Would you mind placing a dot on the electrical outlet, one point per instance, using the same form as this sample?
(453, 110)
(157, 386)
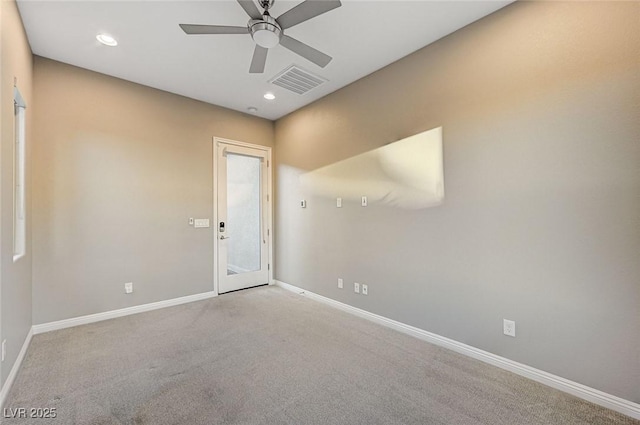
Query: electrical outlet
(4, 349)
(128, 287)
(356, 287)
(509, 327)
(340, 283)
(365, 289)
(364, 201)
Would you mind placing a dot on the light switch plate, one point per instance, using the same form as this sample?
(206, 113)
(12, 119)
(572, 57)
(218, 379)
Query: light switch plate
(303, 203)
(364, 201)
(340, 283)
(128, 287)
(339, 202)
(201, 222)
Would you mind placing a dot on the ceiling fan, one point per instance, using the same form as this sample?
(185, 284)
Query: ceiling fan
(268, 32)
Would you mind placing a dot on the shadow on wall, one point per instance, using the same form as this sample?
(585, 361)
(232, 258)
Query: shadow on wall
(405, 174)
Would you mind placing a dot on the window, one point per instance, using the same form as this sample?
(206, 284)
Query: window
(19, 202)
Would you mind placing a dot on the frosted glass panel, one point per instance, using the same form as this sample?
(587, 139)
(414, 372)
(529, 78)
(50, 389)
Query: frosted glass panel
(243, 214)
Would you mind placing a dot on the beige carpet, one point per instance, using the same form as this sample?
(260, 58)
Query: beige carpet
(267, 356)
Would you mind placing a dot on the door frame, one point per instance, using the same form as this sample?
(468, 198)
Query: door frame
(269, 205)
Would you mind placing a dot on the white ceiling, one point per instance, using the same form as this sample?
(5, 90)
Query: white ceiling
(361, 36)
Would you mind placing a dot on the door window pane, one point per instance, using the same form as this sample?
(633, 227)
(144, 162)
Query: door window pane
(244, 226)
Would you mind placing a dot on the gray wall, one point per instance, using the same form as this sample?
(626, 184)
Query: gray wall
(15, 278)
(541, 220)
(118, 169)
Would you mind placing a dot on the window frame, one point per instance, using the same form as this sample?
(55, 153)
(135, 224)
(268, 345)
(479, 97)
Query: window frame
(19, 176)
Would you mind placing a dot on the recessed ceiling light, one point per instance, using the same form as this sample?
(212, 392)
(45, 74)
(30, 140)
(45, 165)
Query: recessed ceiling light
(269, 96)
(252, 109)
(107, 40)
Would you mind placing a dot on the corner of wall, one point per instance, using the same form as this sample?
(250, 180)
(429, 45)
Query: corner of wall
(15, 277)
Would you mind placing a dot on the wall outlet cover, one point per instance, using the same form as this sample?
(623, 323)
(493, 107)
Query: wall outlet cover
(365, 289)
(128, 287)
(509, 327)
(356, 287)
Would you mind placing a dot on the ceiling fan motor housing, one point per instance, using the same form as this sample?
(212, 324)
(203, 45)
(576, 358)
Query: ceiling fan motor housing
(266, 32)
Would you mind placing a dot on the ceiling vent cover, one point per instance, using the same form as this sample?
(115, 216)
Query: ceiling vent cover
(297, 80)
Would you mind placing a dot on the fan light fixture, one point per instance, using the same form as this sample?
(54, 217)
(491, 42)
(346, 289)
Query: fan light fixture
(266, 32)
(107, 40)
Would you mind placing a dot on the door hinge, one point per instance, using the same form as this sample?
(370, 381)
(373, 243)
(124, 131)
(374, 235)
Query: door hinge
(267, 163)
(268, 266)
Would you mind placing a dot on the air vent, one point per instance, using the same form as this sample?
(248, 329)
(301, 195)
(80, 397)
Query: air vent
(297, 80)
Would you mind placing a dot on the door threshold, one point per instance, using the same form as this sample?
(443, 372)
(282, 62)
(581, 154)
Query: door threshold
(243, 289)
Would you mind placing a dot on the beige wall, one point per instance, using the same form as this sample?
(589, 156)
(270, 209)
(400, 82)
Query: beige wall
(118, 169)
(540, 224)
(541, 220)
(15, 278)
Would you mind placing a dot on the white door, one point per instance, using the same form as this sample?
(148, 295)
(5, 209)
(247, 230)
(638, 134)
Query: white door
(242, 217)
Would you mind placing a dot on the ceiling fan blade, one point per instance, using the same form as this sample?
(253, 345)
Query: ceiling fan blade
(259, 60)
(306, 51)
(306, 10)
(250, 7)
(212, 29)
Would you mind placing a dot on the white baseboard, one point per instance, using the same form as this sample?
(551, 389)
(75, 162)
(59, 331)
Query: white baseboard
(14, 370)
(598, 397)
(91, 318)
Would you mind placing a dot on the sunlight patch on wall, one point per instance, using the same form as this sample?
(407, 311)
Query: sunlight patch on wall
(405, 174)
